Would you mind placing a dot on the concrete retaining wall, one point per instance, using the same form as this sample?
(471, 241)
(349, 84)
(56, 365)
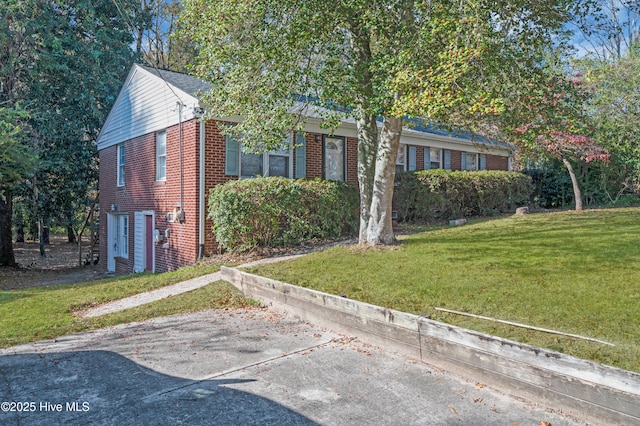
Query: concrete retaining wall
(587, 390)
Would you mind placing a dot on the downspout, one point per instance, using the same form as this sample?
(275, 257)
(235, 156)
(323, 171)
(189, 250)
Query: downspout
(181, 171)
(201, 194)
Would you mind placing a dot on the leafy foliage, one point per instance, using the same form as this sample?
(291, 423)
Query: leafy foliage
(158, 41)
(273, 212)
(15, 161)
(437, 194)
(614, 85)
(446, 61)
(64, 62)
(15, 158)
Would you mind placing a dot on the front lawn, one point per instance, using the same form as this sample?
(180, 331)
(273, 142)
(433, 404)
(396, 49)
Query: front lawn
(38, 313)
(575, 272)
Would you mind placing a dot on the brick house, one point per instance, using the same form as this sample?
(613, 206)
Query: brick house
(158, 162)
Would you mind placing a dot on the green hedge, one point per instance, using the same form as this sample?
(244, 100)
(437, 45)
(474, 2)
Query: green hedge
(276, 212)
(444, 194)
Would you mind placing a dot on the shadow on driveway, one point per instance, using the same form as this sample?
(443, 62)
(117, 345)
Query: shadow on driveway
(102, 387)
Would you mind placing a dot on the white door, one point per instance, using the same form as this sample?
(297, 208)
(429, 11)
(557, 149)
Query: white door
(138, 243)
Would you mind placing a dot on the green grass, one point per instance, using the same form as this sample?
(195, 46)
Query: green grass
(48, 312)
(576, 272)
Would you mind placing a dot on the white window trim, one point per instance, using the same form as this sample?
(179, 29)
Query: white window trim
(120, 172)
(159, 136)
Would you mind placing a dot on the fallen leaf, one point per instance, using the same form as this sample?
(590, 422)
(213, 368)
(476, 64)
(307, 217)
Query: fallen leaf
(453, 410)
(480, 385)
(543, 423)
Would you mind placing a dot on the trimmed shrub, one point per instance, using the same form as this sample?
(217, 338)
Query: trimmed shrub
(278, 212)
(445, 194)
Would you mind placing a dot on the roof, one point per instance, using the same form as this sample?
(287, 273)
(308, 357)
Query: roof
(147, 102)
(185, 82)
(310, 106)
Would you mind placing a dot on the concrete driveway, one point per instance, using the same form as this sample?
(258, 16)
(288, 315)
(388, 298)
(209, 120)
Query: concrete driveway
(228, 367)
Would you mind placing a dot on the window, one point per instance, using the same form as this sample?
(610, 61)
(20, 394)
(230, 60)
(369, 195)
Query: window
(122, 236)
(161, 155)
(469, 161)
(334, 158)
(249, 165)
(120, 178)
(432, 158)
(400, 159)
(278, 163)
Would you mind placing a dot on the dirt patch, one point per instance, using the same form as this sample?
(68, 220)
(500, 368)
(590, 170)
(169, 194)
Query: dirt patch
(60, 266)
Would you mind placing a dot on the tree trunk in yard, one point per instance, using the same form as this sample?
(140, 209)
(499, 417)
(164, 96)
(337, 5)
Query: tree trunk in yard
(577, 194)
(71, 234)
(7, 257)
(367, 147)
(380, 226)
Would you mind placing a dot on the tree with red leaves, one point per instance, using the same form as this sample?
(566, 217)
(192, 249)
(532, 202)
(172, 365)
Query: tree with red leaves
(551, 121)
(566, 145)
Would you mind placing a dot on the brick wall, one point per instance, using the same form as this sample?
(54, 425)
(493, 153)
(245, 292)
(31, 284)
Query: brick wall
(456, 160)
(352, 160)
(420, 158)
(495, 162)
(314, 155)
(214, 175)
(142, 192)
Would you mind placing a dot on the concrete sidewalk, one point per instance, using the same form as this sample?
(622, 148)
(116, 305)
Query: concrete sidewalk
(231, 367)
(171, 290)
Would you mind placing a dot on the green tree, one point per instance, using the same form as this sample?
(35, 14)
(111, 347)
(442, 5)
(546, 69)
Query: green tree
(85, 55)
(446, 61)
(553, 122)
(64, 61)
(15, 162)
(614, 84)
(158, 41)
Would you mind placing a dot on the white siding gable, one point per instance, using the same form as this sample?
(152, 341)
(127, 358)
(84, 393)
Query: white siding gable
(146, 104)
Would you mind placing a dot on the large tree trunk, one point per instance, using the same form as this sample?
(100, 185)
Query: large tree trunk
(577, 194)
(7, 257)
(367, 148)
(380, 226)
